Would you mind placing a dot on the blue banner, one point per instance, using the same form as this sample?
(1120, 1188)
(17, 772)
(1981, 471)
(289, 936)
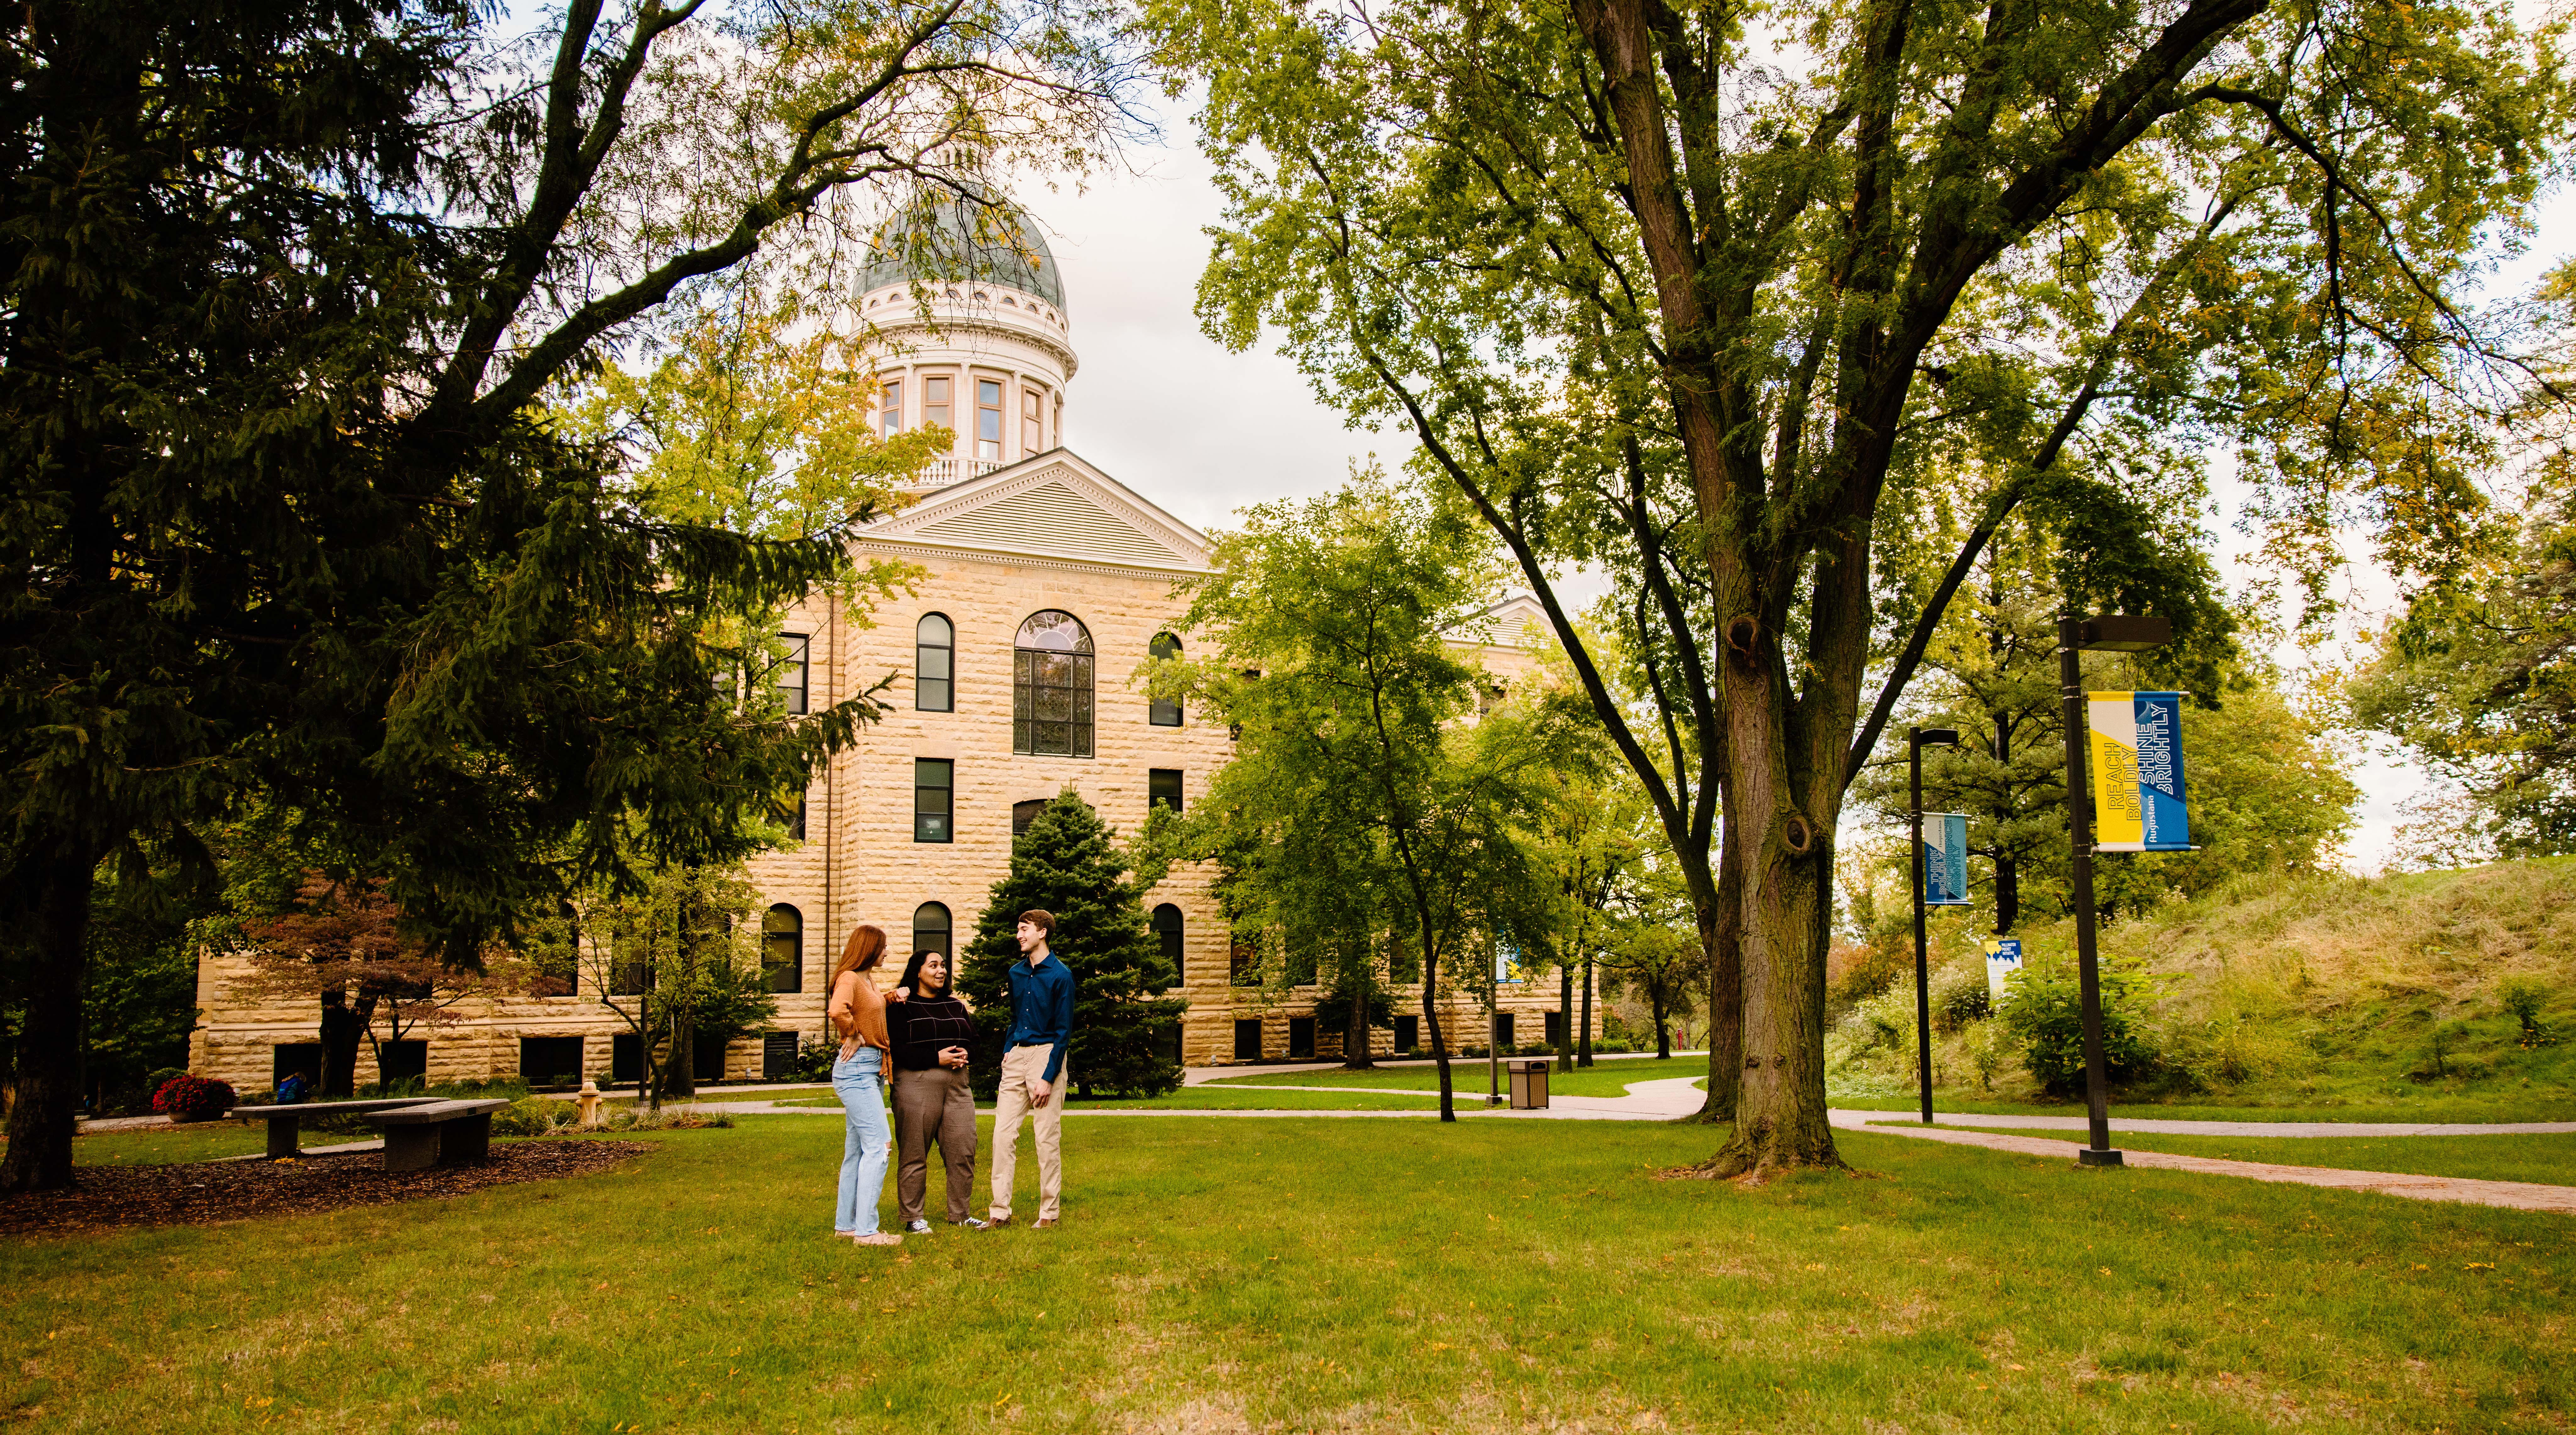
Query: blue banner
(1945, 859)
(2003, 958)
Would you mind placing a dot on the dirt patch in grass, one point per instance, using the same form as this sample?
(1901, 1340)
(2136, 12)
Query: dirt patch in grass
(201, 1193)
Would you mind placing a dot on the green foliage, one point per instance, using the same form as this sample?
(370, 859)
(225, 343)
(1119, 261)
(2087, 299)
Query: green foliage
(1371, 821)
(2043, 1010)
(1068, 863)
(2478, 680)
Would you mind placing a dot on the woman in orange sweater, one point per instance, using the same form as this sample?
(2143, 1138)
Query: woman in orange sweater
(859, 1077)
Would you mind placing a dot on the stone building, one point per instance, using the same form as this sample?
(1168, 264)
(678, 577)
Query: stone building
(1044, 585)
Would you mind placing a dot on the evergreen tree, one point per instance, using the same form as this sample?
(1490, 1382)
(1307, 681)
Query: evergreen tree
(1068, 863)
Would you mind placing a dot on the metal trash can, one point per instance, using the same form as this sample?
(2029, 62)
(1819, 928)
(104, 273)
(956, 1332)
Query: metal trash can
(1529, 1083)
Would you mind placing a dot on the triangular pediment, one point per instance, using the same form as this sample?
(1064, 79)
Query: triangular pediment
(1053, 506)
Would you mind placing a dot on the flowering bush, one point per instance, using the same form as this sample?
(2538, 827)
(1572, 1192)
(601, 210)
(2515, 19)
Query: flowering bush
(193, 1098)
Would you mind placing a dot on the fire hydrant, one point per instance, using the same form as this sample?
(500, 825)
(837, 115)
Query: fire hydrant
(588, 1101)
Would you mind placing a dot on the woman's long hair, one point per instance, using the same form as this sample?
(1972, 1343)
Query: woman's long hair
(912, 975)
(866, 948)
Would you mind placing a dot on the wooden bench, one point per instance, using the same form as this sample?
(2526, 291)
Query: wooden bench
(436, 1133)
(286, 1123)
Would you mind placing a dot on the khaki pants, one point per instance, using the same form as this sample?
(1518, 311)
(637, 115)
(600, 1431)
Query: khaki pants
(1020, 1066)
(934, 1105)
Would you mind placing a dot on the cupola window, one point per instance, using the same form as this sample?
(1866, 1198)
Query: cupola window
(934, 402)
(891, 410)
(988, 418)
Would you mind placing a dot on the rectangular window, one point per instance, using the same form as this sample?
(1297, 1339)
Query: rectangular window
(1032, 426)
(550, 1060)
(934, 403)
(934, 798)
(1556, 1028)
(1301, 1038)
(1162, 789)
(791, 673)
(890, 410)
(1408, 1032)
(402, 1060)
(1503, 1030)
(777, 1055)
(706, 1056)
(625, 1057)
(629, 979)
(988, 418)
(1243, 962)
(1247, 1039)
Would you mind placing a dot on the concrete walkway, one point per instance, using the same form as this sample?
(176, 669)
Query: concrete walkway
(2515, 1195)
(2150, 1126)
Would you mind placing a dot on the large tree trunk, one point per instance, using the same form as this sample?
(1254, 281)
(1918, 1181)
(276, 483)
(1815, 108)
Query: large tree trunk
(1565, 1016)
(1355, 1038)
(342, 1031)
(44, 1091)
(1721, 935)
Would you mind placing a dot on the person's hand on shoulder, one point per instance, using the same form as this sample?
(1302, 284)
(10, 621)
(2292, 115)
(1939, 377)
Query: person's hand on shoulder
(899, 994)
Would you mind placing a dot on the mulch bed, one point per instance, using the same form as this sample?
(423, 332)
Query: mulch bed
(197, 1193)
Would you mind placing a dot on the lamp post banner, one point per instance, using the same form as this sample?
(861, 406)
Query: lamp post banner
(2137, 772)
(1945, 859)
(2003, 958)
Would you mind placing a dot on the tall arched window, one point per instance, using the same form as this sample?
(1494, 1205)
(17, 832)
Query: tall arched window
(930, 928)
(1051, 686)
(1167, 930)
(782, 948)
(1165, 647)
(934, 656)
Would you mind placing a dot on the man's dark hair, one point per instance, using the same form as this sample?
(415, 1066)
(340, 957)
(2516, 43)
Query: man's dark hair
(1044, 919)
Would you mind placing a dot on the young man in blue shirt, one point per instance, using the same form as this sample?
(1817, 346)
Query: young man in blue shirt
(1033, 1069)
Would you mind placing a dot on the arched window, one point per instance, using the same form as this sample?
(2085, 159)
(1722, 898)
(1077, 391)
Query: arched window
(782, 948)
(1164, 648)
(1051, 686)
(930, 928)
(1167, 930)
(934, 654)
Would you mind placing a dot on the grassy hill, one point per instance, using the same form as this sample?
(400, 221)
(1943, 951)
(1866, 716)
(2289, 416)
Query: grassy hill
(2453, 987)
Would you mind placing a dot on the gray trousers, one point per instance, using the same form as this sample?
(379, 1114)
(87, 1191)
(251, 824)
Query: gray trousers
(935, 1105)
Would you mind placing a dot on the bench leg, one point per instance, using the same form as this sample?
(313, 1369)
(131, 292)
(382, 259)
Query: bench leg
(282, 1134)
(411, 1148)
(465, 1140)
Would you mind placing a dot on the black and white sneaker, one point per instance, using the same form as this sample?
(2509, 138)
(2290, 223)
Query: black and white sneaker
(975, 1223)
(918, 1228)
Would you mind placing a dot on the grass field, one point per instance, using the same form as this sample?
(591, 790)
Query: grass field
(2525, 1106)
(155, 1145)
(2550, 1160)
(1303, 1275)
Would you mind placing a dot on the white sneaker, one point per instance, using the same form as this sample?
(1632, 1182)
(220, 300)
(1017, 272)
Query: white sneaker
(918, 1228)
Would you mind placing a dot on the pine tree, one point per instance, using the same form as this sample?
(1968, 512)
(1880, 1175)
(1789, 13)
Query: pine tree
(1068, 863)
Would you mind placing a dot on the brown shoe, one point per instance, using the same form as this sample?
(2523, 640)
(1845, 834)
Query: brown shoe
(997, 1223)
(1042, 1223)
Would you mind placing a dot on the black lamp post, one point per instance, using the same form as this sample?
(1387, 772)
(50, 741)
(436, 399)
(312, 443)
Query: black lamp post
(1915, 738)
(2111, 633)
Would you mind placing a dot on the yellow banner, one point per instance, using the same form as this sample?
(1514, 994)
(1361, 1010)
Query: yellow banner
(2119, 819)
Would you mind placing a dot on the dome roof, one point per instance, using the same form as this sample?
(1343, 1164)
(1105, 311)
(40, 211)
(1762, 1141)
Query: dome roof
(944, 239)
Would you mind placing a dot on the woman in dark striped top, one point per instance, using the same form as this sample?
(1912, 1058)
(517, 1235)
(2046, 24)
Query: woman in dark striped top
(932, 1100)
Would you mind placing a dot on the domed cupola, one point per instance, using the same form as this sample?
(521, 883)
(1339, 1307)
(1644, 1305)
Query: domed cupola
(968, 307)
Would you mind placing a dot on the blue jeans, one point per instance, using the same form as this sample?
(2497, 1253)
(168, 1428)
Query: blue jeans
(859, 1082)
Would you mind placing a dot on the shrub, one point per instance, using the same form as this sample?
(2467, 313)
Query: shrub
(1960, 996)
(2521, 998)
(2044, 1011)
(535, 1117)
(193, 1098)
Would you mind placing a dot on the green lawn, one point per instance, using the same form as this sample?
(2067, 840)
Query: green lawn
(157, 1145)
(1609, 1078)
(2550, 1160)
(1303, 1275)
(1203, 1098)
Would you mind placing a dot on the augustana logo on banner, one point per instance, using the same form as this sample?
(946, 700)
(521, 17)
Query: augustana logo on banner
(2136, 753)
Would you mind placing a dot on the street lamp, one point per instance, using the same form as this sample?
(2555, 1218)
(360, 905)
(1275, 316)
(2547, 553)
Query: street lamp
(1915, 738)
(2110, 633)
